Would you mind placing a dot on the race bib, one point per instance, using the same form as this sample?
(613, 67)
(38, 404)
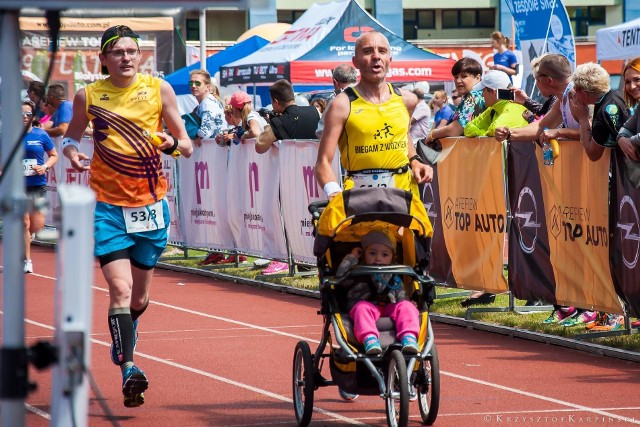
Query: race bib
(27, 167)
(373, 180)
(144, 218)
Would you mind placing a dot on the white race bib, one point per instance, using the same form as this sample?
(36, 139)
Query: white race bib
(144, 218)
(27, 167)
(373, 180)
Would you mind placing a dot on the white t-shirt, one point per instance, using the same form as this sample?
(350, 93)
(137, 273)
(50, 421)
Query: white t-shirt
(422, 116)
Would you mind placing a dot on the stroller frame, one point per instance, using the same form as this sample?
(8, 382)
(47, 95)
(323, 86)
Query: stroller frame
(398, 376)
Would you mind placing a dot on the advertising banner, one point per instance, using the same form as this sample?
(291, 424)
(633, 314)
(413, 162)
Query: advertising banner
(560, 227)
(473, 211)
(542, 27)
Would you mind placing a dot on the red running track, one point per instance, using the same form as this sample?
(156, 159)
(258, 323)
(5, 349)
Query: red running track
(220, 354)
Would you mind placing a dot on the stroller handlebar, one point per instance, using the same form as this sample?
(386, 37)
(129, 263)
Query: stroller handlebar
(316, 208)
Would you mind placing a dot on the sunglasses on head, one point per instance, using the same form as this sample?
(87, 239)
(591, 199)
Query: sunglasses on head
(194, 82)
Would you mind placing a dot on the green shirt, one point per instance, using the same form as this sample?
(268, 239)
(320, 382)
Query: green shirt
(502, 113)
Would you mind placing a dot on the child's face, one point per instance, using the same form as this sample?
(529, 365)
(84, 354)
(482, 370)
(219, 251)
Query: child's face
(378, 254)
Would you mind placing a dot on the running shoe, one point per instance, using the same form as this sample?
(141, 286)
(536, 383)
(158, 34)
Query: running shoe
(28, 266)
(232, 259)
(348, 397)
(613, 323)
(212, 258)
(134, 383)
(583, 318)
(409, 344)
(261, 262)
(114, 356)
(276, 267)
(372, 345)
(560, 314)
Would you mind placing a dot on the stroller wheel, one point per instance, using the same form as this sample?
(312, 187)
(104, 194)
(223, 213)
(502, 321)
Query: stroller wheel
(397, 399)
(348, 397)
(429, 390)
(303, 386)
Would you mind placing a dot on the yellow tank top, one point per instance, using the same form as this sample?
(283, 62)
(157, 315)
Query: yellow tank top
(126, 170)
(375, 137)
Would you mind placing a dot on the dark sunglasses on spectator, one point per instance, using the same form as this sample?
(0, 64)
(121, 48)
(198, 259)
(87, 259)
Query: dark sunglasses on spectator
(193, 82)
(455, 97)
(27, 114)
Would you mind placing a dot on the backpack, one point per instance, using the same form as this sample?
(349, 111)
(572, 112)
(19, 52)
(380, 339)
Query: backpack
(192, 123)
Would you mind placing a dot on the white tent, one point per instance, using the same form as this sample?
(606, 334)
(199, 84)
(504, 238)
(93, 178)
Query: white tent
(618, 42)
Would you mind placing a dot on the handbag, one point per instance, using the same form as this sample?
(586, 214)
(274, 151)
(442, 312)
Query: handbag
(192, 123)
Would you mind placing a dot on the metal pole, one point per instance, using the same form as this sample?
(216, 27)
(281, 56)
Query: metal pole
(13, 356)
(73, 300)
(203, 39)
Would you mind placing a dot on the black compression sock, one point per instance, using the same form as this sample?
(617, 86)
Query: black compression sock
(135, 314)
(121, 330)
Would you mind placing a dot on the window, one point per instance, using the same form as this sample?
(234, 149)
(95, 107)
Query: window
(418, 19)
(193, 29)
(468, 18)
(582, 17)
(289, 16)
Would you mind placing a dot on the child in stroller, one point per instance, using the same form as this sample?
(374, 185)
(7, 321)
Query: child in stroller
(379, 295)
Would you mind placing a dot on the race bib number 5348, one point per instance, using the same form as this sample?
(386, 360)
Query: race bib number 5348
(144, 218)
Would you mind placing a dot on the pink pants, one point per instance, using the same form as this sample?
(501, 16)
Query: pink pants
(365, 314)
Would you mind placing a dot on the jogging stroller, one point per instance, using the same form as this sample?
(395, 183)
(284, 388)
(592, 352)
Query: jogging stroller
(394, 376)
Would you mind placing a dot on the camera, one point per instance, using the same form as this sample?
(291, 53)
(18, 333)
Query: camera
(267, 114)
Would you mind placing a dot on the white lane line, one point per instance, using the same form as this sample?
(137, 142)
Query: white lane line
(299, 337)
(257, 390)
(37, 411)
(544, 398)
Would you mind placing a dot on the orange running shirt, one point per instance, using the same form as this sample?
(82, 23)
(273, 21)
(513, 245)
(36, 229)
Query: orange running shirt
(126, 170)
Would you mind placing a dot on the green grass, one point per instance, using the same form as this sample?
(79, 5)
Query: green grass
(444, 305)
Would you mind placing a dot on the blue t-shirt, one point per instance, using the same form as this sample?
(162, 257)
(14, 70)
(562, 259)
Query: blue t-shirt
(444, 113)
(36, 143)
(62, 114)
(507, 58)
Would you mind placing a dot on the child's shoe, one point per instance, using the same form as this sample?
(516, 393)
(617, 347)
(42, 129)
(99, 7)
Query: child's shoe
(372, 345)
(409, 344)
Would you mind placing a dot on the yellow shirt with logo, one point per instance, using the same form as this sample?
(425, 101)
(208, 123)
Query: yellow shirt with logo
(126, 170)
(375, 137)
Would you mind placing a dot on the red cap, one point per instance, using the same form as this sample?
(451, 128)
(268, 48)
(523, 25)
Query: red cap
(238, 99)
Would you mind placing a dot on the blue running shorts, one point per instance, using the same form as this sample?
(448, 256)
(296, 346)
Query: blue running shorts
(110, 234)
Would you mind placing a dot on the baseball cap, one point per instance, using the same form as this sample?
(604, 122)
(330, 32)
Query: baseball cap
(238, 99)
(493, 79)
(380, 236)
(114, 33)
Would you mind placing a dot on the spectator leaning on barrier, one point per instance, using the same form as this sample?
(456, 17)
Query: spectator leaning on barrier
(444, 114)
(63, 110)
(209, 109)
(553, 78)
(537, 109)
(292, 121)
(499, 112)
(467, 72)
(344, 75)
(628, 138)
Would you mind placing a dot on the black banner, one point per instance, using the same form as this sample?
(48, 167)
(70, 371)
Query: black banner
(254, 73)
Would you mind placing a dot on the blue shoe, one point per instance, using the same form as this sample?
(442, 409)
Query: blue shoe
(372, 345)
(134, 383)
(114, 356)
(410, 344)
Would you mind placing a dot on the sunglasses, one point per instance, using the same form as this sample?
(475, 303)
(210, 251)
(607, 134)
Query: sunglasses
(455, 97)
(194, 82)
(27, 114)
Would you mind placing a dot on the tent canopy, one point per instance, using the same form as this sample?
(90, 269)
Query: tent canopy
(324, 37)
(618, 42)
(179, 80)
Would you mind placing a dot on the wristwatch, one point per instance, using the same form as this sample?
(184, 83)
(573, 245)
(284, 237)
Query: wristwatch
(416, 157)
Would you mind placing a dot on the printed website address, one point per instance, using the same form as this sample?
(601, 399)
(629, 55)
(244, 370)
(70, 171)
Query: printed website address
(393, 72)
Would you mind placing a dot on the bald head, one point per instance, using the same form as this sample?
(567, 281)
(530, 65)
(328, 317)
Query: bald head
(371, 37)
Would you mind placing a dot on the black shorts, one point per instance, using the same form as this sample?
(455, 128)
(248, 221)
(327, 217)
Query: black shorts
(36, 191)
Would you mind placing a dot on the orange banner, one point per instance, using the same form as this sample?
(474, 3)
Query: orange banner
(576, 198)
(473, 211)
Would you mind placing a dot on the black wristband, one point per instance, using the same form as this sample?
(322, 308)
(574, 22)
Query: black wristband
(416, 157)
(169, 151)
